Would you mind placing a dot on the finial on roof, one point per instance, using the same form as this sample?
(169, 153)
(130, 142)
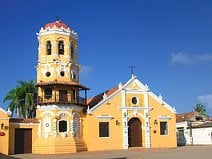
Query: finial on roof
(104, 96)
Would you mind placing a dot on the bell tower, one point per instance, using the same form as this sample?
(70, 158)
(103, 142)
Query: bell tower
(61, 98)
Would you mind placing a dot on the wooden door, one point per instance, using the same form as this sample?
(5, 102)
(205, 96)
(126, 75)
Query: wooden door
(134, 133)
(23, 141)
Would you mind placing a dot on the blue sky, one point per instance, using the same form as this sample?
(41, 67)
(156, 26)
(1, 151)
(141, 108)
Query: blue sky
(169, 43)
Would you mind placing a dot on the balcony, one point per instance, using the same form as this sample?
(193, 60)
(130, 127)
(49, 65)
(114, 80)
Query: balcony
(64, 99)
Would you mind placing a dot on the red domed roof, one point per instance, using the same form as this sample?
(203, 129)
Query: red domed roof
(57, 23)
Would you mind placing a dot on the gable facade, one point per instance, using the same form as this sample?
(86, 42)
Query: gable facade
(133, 116)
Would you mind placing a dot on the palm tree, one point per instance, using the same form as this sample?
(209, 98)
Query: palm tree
(22, 99)
(29, 105)
(15, 101)
(29, 92)
(199, 108)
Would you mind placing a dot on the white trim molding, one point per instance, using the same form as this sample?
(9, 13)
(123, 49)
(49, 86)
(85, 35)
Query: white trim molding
(164, 117)
(104, 117)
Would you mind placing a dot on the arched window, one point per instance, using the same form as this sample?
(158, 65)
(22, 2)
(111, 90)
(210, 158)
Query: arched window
(73, 73)
(72, 51)
(48, 48)
(76, 125)
(61, 47)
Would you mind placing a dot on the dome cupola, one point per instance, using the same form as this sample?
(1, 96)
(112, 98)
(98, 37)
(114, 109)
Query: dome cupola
(57, 23)
(57, 27)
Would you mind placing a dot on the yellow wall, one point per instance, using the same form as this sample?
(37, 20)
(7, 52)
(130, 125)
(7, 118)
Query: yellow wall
(158, 140)
(91, 125)
(4, 140)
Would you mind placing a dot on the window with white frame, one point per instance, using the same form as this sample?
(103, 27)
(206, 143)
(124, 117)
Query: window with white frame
(163, 128)
(103, 129)
(62, 126)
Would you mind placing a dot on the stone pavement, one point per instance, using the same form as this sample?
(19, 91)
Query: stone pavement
(187, 152)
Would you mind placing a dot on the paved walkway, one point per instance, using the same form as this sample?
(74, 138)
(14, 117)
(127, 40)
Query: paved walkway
(187, 152)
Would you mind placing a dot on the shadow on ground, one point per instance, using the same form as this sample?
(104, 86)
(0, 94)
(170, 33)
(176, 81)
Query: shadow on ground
(2, 156)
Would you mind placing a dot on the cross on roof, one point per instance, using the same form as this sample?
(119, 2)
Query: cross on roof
(132, 69)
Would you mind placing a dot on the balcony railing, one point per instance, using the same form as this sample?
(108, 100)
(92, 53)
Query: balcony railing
(61, 99)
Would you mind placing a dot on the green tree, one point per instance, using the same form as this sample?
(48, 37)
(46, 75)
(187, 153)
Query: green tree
(22, 99)
(15, 101)
(200, 109)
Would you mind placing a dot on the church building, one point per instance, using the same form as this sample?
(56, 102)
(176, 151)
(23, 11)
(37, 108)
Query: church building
(128, 115)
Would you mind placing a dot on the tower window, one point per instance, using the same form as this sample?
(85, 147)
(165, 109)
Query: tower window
(61, 47)
(62, 126)
(63, 96)
(48, 48)
(72, 51)
(48, 93)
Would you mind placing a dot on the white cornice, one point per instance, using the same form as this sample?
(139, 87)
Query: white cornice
(60, 107)
(57, 31)
(160, 100)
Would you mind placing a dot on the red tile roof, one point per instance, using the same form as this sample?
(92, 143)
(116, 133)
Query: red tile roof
(186, 116)
(98, 98)
(65, 83)
(57, 23)
(23, 120)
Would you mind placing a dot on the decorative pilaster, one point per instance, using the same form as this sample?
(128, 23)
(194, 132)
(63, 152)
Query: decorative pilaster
(124, 121)
(147, 115)
(55, 127)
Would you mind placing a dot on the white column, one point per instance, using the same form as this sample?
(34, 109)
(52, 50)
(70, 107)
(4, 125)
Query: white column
(124, 121)
(146, 117)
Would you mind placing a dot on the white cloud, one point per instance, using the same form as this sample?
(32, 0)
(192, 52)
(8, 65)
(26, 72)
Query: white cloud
(180, 57)
(206, 100)
(187, 59)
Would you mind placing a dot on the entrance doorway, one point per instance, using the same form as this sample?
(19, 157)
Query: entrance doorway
(23, 140)
(134, 133)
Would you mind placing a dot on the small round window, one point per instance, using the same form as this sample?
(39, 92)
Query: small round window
(48, 74)
(134, 100)
(62, 73)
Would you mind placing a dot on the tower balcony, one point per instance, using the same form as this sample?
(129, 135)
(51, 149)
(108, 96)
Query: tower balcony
(58, 99)
(67, 93)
